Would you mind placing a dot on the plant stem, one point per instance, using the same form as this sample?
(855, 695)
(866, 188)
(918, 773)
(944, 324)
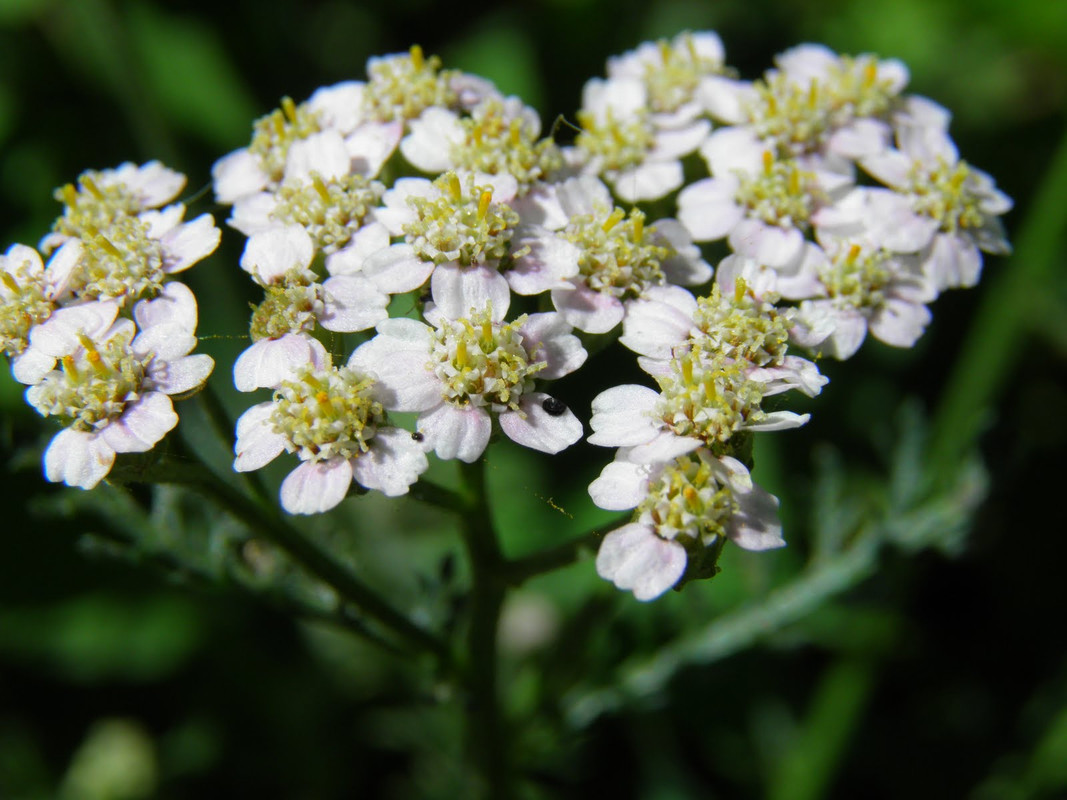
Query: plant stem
(487, 746)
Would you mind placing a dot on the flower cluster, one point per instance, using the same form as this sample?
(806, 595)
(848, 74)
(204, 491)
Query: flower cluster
(100, 333)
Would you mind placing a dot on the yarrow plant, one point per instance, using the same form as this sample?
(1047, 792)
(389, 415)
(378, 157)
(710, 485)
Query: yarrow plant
(418, 228)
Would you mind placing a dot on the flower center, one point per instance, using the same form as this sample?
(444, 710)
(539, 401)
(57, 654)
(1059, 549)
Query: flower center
(741, 327)
(460, 224)
(795, 118)
(327, 413)
(119, 260)
(330, 211)
(671, 82)
(92, 206)
(948, 193)
(276, 132)
(402, 87)
(292, 306)
(708, 399)
(856, 278)
(618, 143)
(620, 255)
(482, 362)
(780, 194)
(23, 303)
(91, 388)
(686, 500)
(496, 143)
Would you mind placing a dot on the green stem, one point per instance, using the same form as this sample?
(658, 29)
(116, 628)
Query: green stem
(268, 523)
(436, 495)
(485, 733)
(519, 570)
(995, 338)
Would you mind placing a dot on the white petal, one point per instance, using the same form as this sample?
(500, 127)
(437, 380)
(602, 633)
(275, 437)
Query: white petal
(900, 323)
(398, 359)
(372, 144)
(547, 337)
(550, 261)
(268, 362)
(433, 136)
(315, 487)
(587, 309)
(665, 446)
(397, 269)
(59, 334)
(238, 174)
(364, 243)
(755, 525)
(323, 153)
(189, 243)
(770, 245)
(353, 303)
(535, 428)
(622, 416)
(182, 374)
(621, 485)
(707, 208)
(165, 341)
(392, 464)
(257, 442)
(175, 304)
(655, 325)
(633, 557)
(271, 254)
(460, 292)
(142, 424)
(78, 459)
(453, 432)
(649, 181)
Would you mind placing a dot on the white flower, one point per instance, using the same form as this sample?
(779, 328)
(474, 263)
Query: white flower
(464, 371)
(684, 507)
(113, 385)
(333, 420)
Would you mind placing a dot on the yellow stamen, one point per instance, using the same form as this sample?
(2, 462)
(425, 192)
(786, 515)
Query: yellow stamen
(740, 288)
(853, 253)
(614, 219)
(9, 282)
(461, 354)
(515, 131)
(870, 74)
(321, 188)
(70, 194)
(289, 109)
(91, 186)
(483, 203)
(768, 161)
(69, 368)
(639, 225)
(418, 60)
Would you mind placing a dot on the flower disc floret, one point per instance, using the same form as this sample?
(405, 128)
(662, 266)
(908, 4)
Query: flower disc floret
(618, 144)
(855, 89)
(780, 194)
(742, 328)
(460, 224)
(24, 302)
(330, 210)
(402, 87)
(290, 307)
(121, 260)
(93, 205)
(481, 362)
(687, 502)
(857, 277)
(948, 193)
(708, 399)
(496, 143)
(327, 413)
(274, 133)
(91, 388)
(672, 81)
(795, 118)
(619, 255)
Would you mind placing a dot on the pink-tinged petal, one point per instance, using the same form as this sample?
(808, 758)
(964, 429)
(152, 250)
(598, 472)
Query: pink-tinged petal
(77, 458)
(547, 337)
(755, 524)
(707, 208)
(685, 266)
(533, 427)
(175, 305)
(622, 416)
(322, 153)
(252, 213)
(372, 144)
(364, 243)
(62, 266)
(779, 421)
(236, 175)
(257, 442)
(899, 323)
(181, 375)
(850, 329)
(649, 181)
(397, 269)
(339, 106)
(189, 243)
(587, 309)
(620, 485)
(152, 183)
(665, 446)
(860, 138)
(633, 557)
(582, 194)
(433, 136)
(729, 150)
(142, 424)
(392, 464)
(549, 262)
(953, 262)
(30, 366)
(891, 167)
(268, 362)
(725, 99)
(163, 221)
(269, 255)
(353, 303)
(768, 244)
(315, 487)
(165, 341)
(794, 373)
(459, 291)
(671, 144)
(59, 334)
(657, 324)
(453, 432)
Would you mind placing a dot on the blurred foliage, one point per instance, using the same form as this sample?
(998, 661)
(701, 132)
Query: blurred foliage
(892, 650)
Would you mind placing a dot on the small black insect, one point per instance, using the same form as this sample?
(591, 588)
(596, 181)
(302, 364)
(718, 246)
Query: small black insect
(418, 437)
(553, 406)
